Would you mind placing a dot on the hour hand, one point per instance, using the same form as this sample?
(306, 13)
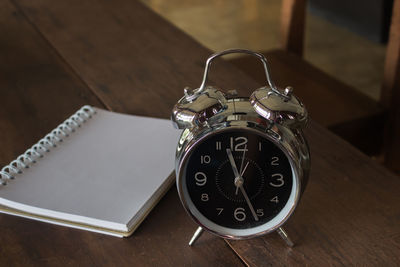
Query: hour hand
(233, 164)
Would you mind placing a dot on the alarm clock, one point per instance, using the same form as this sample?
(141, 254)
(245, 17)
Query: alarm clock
(242, 163)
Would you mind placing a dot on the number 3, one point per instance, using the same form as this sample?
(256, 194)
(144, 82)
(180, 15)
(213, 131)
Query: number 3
(279, 179)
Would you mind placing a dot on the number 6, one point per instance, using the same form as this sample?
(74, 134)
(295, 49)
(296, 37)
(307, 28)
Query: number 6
(239, 214)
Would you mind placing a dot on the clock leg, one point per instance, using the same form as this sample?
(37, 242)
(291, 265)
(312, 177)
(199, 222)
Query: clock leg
(285, 236)
(196, 235)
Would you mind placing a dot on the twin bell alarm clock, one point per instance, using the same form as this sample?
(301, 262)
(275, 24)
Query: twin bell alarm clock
(241, 163)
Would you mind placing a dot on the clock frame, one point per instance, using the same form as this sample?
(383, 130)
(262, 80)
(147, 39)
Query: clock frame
(270, 113)
(241, 117)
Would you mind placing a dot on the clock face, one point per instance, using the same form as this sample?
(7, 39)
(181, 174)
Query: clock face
(238, 179)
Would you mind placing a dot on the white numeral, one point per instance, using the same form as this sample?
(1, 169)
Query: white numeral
(274, 161)
(201, 178)
(205, 159)
(274, 199)
(218, 145)
(239, 214)
(204, 197)
(239, 144)
(279, 180)
(260, 212)
(220, 210)
(259, 146)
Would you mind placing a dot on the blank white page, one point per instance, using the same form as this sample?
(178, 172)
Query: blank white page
(101, 174)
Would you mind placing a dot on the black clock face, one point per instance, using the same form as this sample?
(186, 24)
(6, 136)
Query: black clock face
(238, 179)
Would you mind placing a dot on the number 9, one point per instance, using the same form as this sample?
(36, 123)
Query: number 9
(201, 178)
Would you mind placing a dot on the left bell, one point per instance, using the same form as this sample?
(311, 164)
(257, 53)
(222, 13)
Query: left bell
(197, 108)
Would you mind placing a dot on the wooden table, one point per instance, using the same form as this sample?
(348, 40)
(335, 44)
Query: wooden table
(56, 56)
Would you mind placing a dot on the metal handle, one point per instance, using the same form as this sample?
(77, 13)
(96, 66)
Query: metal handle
(237, 51)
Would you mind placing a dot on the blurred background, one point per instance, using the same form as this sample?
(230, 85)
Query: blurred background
(340, 39)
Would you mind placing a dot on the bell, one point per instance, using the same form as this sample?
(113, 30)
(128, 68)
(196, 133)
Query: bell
(281, 108)
(195, 108)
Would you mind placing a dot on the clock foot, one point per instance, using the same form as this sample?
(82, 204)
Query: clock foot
(285, 236)
(196, 235)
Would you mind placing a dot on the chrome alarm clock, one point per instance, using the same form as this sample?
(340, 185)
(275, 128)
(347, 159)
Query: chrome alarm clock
(241, 163)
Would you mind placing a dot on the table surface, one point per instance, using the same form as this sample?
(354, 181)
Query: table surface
(56, 56)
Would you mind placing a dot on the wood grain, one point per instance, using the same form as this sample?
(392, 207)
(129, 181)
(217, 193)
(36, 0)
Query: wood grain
(136, 62)
(130, 55)
(349, 214)
(38, 92)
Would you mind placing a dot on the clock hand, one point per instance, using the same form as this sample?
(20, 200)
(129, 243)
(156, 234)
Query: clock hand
(232, 161)
(244, 169)
(241, 175)
(239, 183)
(241, 167)
(238, 178)
(244, 153)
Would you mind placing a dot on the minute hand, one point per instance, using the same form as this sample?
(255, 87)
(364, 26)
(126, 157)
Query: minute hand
(246, 197)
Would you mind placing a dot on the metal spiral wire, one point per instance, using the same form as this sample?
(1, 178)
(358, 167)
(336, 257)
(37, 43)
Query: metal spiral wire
(51, 140)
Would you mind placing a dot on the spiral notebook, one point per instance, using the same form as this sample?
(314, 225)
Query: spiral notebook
(100, 171)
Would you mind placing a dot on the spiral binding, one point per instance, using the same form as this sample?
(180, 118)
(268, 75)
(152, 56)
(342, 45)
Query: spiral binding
(38, 150)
